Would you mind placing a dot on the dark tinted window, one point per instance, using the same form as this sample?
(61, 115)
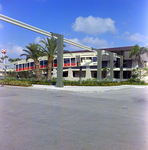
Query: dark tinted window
(32, 64)
(72, 60)
(66, 60)
(55, 61)
(41, 63)
(94, 59)
(45, 62)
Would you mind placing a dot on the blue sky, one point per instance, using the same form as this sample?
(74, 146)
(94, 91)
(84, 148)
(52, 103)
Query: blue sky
(94, 23)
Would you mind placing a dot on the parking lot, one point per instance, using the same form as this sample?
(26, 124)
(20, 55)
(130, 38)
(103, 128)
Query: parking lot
(45, 119)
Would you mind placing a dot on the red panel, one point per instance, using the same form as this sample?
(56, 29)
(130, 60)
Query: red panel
(55, 65)
(26, 68)
(41, 66)
(66, 64)
(45, 66)
(32, 67)
(73, 64)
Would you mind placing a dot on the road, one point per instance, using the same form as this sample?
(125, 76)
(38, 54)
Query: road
(35, 119)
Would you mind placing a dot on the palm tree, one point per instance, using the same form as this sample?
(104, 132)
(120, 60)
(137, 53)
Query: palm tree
(11, 60)
(14, 59)
(34, 53)
(136, 52)
(50, 49)
(104, 71)
(5, 57)
(2, 59)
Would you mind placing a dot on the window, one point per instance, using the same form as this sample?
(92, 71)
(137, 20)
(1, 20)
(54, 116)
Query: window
(45, 63)
(82, 59)
(27, 64)
(88, 58)
(66, 60)
(41, 63)
(72, 60)
(94, 59)
(55, 61)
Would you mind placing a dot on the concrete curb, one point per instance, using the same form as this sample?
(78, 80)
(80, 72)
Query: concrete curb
(88, 89)
(83, 89)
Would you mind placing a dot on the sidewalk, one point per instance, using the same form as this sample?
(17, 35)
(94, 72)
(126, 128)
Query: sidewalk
(88, 89)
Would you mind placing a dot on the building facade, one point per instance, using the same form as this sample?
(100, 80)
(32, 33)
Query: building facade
(87, 61)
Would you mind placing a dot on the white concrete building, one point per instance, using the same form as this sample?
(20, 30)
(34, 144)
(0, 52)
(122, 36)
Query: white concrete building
(88, 63)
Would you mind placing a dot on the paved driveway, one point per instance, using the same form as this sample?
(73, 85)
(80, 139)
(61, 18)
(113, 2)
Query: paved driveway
(35, 119)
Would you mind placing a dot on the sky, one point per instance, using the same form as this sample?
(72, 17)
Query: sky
(94, 23)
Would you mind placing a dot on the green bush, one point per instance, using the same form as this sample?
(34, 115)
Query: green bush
(15, 82)
(89, 82)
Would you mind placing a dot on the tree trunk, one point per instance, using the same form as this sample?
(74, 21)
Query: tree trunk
(37, 70)
(49, 67)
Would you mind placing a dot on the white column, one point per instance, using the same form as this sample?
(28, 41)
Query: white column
(88, 72)
(70, 73)
(54, 72)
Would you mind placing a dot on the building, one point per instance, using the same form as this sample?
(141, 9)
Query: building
(88, 63)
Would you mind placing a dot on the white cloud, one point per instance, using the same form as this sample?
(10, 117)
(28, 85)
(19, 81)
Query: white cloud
(71, 47)
(1, 7)
(16, 50)
(126, 33)
(88, 41)
(37, 40)
(137, 37)
(13, 51)
(133, 37)
(75, 40)
(95, 42)
(1, 26)
(92, 25)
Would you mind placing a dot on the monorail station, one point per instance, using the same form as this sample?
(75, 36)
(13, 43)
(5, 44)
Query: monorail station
(86, 62)
(110, 63)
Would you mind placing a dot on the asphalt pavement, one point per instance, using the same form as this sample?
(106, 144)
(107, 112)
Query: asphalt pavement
(74, 118)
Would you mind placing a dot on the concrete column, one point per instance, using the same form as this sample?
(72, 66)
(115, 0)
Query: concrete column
(108, 72)
(99, 65)
(111, 66)
(88, 72)
(121, 68)
(80, 74)
(54, 72)
(70, 73)
(59, 60)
